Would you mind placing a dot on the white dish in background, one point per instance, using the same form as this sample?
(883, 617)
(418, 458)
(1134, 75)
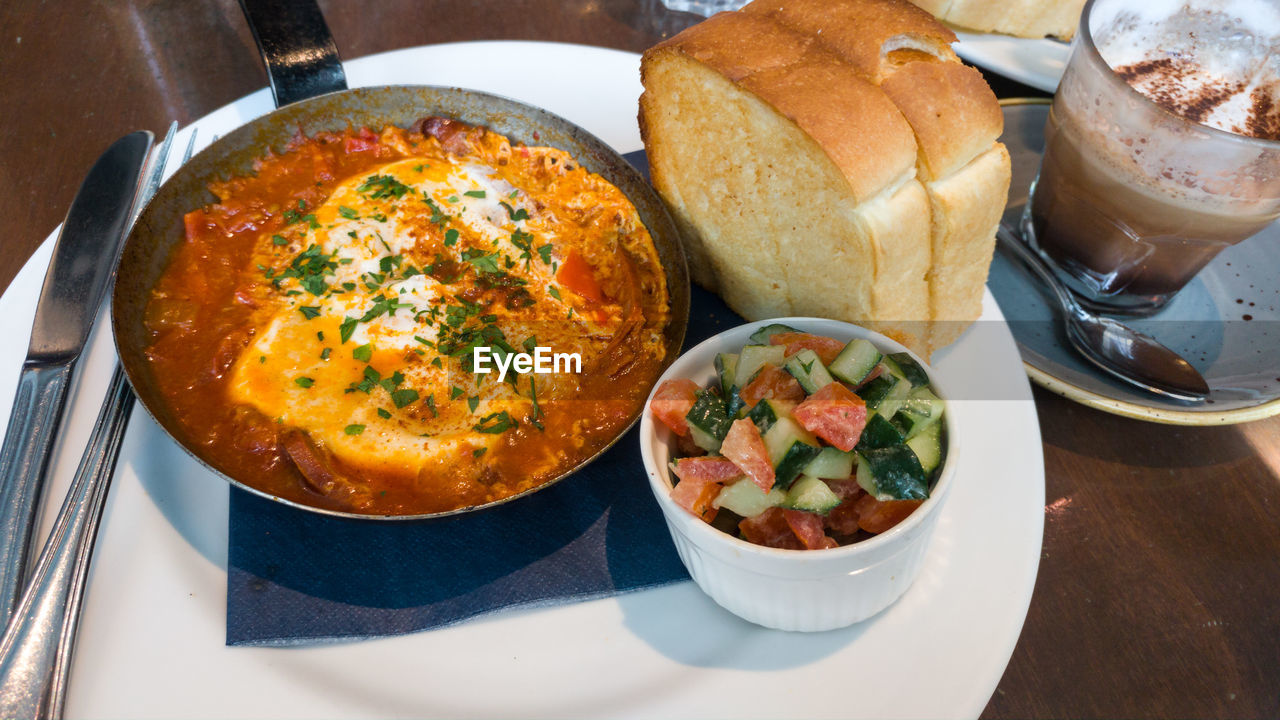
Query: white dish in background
(152, 637)
(1031, 61)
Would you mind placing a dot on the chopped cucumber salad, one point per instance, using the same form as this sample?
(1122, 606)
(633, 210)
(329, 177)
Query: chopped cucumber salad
(805, 442)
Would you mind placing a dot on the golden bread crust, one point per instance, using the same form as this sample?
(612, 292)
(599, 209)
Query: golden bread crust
(830, 158)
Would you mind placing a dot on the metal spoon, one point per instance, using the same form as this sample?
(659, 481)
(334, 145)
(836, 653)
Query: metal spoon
(1116, 348)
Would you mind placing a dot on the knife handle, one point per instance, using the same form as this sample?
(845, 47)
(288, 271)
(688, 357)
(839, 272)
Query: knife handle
(24, 460)
(36, 649)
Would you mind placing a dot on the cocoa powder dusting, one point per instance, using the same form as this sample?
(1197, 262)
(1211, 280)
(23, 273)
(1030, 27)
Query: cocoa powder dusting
(1169, 83)
(1264, 115)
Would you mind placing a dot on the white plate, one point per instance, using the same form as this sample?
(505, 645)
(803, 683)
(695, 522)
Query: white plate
(1035, 62)
(152, 637)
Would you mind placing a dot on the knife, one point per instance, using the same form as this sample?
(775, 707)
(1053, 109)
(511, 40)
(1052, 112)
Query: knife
(83, 261)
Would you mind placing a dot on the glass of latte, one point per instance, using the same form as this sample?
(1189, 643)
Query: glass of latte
(1162, 146)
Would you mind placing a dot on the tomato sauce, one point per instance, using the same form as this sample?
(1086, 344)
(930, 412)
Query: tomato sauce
(221, 296)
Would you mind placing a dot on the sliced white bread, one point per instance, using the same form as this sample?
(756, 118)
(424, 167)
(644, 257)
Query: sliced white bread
(831, 159)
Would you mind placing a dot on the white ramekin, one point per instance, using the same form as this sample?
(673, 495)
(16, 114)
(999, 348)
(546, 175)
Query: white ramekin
(793, 589)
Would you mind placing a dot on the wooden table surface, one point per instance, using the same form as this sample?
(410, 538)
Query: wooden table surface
(1159, 586)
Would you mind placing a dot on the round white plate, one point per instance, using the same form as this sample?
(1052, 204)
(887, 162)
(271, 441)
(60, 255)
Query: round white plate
(152, 637)
(1035, 62)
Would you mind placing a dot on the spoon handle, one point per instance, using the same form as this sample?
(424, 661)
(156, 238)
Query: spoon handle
(1010, 242)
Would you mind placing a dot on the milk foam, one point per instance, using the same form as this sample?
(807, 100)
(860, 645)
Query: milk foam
(1219, 66)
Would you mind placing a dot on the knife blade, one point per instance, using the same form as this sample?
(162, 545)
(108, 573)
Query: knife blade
(83, 261)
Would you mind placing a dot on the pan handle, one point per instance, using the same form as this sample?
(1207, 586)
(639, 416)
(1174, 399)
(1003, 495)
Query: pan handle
(297, 48)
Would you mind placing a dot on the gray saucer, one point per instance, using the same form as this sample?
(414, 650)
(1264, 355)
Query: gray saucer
(1226, 322)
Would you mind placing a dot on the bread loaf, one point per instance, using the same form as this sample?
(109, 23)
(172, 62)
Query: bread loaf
(829, 158)
(1023, 18)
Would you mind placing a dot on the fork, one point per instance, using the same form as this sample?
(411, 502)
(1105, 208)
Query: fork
(36, 649)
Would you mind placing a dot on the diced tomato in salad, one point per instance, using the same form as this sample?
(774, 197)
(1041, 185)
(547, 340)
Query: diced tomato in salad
(672, 402)
(772, 383)
(834, 414)
(745, 448)
(803, 451)
(826, 348)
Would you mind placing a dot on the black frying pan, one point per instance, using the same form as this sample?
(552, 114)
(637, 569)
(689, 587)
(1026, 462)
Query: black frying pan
(311, 93)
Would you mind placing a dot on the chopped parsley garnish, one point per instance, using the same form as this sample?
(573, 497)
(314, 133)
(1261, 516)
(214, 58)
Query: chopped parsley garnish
(514, 214)
(390, 262)
(553, 291)
(383, 414)
(353, 429)
(438, 216)
(347, 327)
(304, 382)
(324, 354)
(482, 261)
(404, 396)
(544, 252)
(450, 237)
(455, 392)
(309, 268)
(279, 240)
(473, 402)
(363, 353)
(309, 311)
(495, 423)
(348, 213)
(478, 452)
(384, 186)
(431, 404)
(474, 193)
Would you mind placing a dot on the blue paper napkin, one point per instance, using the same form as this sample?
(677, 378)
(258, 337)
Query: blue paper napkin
(296, 577)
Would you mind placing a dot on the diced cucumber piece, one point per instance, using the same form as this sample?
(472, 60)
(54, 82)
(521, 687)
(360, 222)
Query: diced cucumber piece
(754, 357)
(766, 413)
(879, 433)
(856, 361)
(791, 449)
(831, 464)
(726, 367)
(928, 447)
(886, 394)
(805, 367)
(920, 410)
(761, 336)
(892, 473)
(736, 407)
(710, 417)
(703, 440)
(908, 368)
(810, 493)
(745, 498)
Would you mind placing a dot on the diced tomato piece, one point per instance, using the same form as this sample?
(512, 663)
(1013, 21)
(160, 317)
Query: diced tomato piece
(362, 141)
(714, 469)
(686, 447)
(846, 489)
(672, 403)
(770, 528)
(773, 383)
(744, 446)
(834, 414)
(786, 529)
(876, 516)
(843, 518)
(826, 348)
(576, 275)
(807, 527)
(696, 494)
